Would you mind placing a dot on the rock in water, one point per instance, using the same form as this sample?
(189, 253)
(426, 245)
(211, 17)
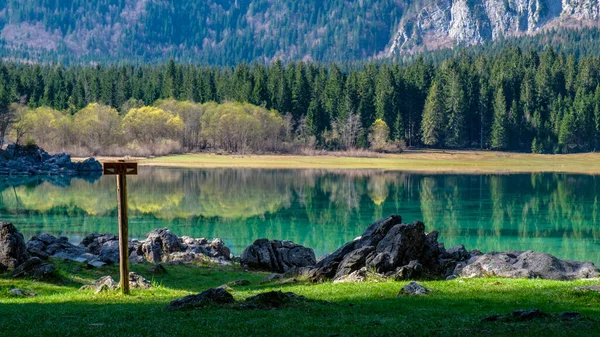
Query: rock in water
(208, 297)
(13, 250)
(31, 160)
(528, 264)
(413, 288)
(277, 256)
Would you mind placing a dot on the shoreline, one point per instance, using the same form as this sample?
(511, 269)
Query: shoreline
(425, 161)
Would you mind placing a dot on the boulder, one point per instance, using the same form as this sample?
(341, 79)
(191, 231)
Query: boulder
(208, 297)
(34, 268)
(272, 300)
(277, 256)
(413, 289)
(527, 264)
(159, 244)
(13, 250)
(104, 246)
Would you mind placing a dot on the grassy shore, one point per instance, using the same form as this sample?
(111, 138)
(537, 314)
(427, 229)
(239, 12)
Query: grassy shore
(366, 309)
(421, 161)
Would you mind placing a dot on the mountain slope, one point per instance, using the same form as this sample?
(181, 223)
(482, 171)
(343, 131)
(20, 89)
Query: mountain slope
(445, 23)
(230, 31)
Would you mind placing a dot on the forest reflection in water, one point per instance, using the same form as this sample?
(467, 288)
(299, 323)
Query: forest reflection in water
(554, 213)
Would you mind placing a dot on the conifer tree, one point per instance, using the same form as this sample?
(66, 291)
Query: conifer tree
(499, 136)
(434, 121)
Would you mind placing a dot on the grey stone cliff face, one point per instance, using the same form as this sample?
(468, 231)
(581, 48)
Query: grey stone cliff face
(445, 23)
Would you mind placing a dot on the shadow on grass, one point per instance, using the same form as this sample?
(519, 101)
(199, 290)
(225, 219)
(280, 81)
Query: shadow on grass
(439, 314)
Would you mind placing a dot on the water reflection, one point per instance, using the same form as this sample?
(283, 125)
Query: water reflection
(555, 213)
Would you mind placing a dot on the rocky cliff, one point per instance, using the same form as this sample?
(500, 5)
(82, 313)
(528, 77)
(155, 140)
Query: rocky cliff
(445, 23)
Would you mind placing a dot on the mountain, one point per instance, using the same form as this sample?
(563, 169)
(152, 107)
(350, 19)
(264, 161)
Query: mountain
(445, 23)
(231, 31)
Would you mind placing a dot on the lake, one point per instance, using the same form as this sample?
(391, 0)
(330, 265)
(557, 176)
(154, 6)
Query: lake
(553, 213)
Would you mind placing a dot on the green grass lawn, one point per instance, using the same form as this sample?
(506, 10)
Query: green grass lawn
(367, 309)
(421, 161)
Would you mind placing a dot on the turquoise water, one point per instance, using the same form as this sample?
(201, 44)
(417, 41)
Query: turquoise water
(554, 213)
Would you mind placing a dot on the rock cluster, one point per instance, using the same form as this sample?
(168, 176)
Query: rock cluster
(277, 256)
(220, 296)
(159, 246)
(106, 283)
(28, 160)
(528, 264)
(390, 247)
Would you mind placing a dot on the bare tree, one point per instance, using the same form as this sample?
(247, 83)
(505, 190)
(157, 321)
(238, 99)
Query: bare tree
(349, 129)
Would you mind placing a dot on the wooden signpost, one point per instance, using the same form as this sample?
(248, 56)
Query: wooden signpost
(122, 169)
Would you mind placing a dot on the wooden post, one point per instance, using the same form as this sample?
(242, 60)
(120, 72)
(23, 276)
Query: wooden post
(123, 232)
(121, 169)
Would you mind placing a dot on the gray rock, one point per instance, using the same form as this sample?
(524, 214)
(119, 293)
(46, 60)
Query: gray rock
(272, 300)
(138, 281)
(158, 269)
(21, 293)
(35, 251)
(89, 165)
(361, 275)
(219, 248)
(104, 283)
(96, 264)
(17, 292)
(277, 256)
(205, 298)
(237, 283)
(528, 264)
(387, 247)
(34, 268)
(569, 315)
(528, 315)
(354, 261)
(457, 253)
(109, 252)
(32, 160)
(59, 248)
(592, 288)
(413, 289)
(411, 271)
(13, 250)
(159, 244)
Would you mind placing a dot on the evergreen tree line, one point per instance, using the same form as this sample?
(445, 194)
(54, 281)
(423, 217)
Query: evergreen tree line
(516, 100)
